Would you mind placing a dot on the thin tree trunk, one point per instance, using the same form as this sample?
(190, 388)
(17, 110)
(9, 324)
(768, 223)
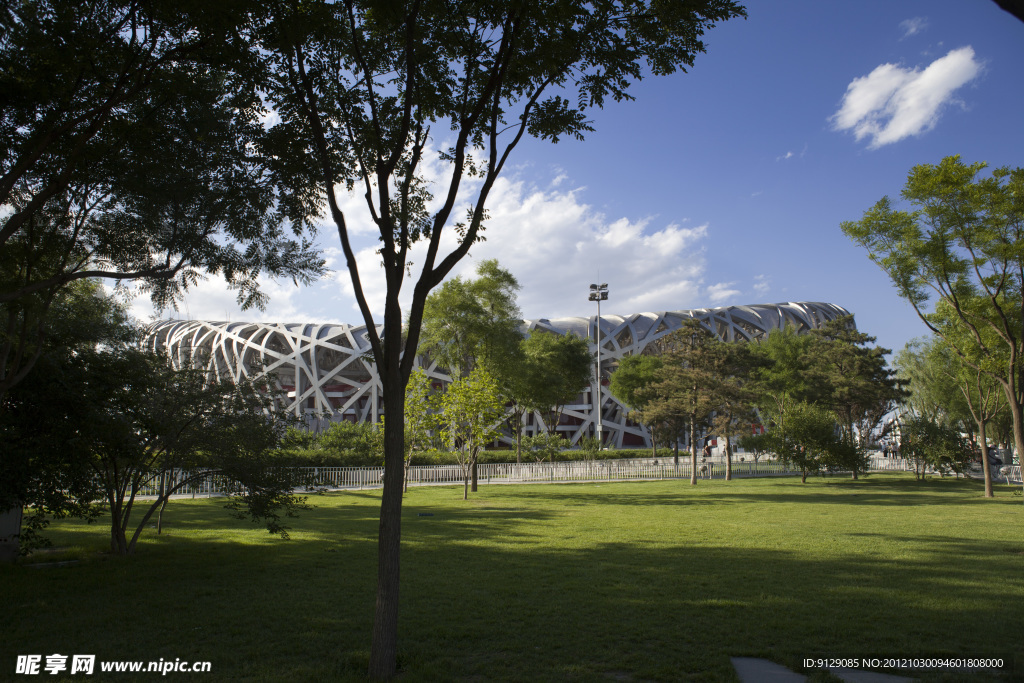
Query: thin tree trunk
(384, 643)
(728, 458)
(986, 468)
(160, 513)
(472, 469)
(1018, 420)
(693, 451)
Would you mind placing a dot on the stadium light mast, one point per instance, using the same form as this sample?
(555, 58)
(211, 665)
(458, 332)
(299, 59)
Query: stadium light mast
(599, 293)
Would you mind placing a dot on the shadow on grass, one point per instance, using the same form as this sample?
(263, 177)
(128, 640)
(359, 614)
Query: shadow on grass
(874, 490)
(491, 592)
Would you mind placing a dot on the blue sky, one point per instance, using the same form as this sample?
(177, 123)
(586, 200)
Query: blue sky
(727, 185)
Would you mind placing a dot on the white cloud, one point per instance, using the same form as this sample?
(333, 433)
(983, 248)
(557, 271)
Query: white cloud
(787, 155)
(892, 102)
(549, 238)
(556, 245)
(762, 284)
(911, 27)
(210, 299)
(722, 291)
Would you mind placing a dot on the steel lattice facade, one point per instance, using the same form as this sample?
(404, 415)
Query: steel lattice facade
(324, 371)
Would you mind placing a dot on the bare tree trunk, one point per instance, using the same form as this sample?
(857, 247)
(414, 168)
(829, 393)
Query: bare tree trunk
(384, 644)
(163, 492)
(472, 469)
(693, 451)
(1018, 420)
(986, 468)
(728, 458)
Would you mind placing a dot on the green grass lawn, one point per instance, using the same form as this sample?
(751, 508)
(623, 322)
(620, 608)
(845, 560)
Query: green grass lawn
(639, 581)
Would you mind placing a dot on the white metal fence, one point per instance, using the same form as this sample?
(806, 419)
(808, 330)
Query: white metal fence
(493, 473)
(512, 473)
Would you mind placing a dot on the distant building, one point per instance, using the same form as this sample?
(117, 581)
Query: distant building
(325, 371)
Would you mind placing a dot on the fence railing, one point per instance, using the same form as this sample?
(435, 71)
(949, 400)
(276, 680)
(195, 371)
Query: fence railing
(635, 469)
(1012, 474)
(487, 473)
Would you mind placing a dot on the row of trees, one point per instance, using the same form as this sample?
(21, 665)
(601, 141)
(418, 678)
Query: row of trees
(949, 395)
(959, 245)
(822, 395)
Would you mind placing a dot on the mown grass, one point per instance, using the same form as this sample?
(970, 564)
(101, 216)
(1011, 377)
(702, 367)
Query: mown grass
(637, 581)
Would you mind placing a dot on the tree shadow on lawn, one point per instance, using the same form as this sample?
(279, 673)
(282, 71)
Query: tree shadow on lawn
(481, 600)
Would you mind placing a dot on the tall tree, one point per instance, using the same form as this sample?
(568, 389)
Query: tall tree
(733, 397)
(809, 438)
(973, 396)
(133, 151)
(359, 87)
(469, 324)
(933, 389)
(926, 443)
(559, 368)
(550, 371)
(628, 383)
(962, 243)
(858, 384)
(38, 472)
(683, 397)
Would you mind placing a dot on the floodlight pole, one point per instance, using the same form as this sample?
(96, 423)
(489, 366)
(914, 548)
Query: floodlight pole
(599, 293)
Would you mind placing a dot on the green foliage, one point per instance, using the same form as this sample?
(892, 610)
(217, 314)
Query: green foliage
(133, 151)
(589, 447)
(554, 370)
(857, 383)
(929, 444)
(342, 444)
(136, 422)
(474, 323)
(686, 388)
(809, 439)
(38, 420)
(929, 369)
(356, 438)
(545, 446)
(632, 376)
(471, 411)
(962, 243)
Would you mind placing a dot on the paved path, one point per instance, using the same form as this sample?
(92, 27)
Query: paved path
(753, 670)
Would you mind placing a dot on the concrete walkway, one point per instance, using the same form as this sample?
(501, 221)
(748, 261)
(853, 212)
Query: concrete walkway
(753, 670)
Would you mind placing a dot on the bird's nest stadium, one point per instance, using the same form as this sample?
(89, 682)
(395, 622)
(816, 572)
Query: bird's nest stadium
(325, 374)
